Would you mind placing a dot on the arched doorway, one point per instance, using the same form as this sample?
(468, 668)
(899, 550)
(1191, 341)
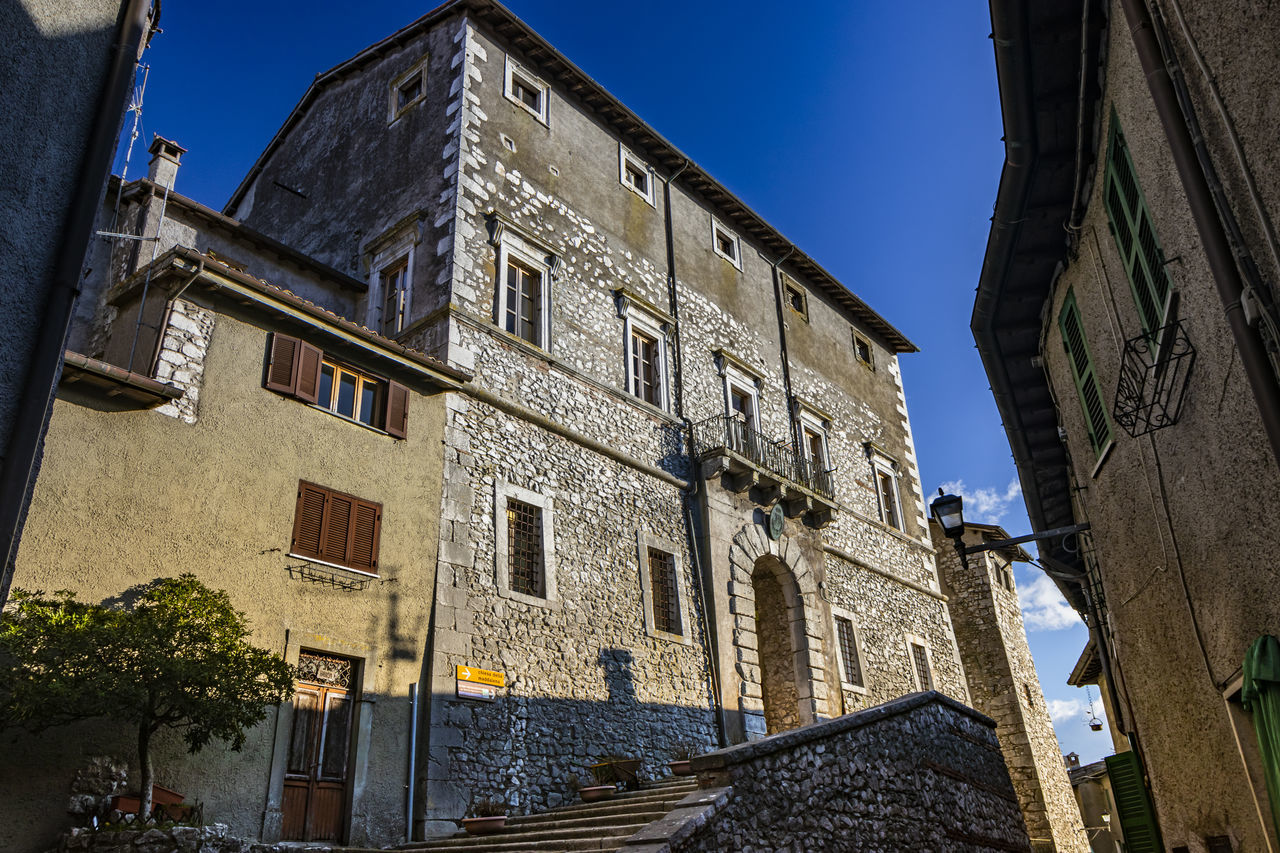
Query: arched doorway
(776, 603)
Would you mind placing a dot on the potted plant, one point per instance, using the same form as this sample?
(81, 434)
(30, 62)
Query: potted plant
(681, 757)
(590, 793)
(486, 817)
(617, 770)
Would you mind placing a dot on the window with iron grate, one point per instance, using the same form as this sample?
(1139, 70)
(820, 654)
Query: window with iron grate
(524, 548)
(666, 601)
(850, 665)
(920, 660)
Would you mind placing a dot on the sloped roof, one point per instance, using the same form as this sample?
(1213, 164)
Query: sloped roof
(638, 135)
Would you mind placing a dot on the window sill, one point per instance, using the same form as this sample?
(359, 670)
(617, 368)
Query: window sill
(342, 417)
(670, 638)
(1102, 458)
(853, 688)
(320, 562)
(531, 600)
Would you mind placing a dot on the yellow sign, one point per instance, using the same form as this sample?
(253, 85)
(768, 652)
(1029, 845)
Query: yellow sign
(482, 676)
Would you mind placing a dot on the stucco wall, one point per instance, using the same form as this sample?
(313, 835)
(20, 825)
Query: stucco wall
(1180, 541)
(128, 496)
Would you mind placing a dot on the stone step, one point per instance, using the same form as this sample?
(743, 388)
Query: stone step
(549, 820)
(511, 839)
(618, 804)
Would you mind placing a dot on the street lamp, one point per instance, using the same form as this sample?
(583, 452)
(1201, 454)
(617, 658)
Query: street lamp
(948, 510)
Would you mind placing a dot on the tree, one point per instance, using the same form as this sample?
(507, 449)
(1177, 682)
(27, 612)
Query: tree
(177, 657)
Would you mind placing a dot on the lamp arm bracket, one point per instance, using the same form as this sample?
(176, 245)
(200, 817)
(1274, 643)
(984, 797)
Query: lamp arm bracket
(1030, 537)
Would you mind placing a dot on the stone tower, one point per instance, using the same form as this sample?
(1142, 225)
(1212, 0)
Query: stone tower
(1003, 684)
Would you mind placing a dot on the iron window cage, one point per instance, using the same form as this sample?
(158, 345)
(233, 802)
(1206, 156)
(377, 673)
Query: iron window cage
(1155, 371)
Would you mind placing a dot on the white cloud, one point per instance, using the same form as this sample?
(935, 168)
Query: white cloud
(1068, 710)
(1044, 608)
(986, 506)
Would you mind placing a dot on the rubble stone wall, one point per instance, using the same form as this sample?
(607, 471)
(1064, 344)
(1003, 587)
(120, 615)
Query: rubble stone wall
(920, 773)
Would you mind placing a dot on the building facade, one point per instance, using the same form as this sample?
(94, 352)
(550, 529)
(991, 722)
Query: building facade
(1125, 317)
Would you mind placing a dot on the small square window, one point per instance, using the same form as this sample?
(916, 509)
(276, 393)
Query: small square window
(797, 300)
(863, 352)
(526, 90)
(407, 89)
(726, 243)
(635, 174)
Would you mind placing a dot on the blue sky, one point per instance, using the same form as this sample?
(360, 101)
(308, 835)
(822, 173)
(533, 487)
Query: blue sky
(867, 132)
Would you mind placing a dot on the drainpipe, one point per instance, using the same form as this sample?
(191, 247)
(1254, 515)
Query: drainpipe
(688, 495)
(1213, 235)
(22, 455)
(782, 343)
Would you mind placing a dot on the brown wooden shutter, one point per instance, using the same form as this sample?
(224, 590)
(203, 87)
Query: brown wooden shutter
(282, 365)
(365, 529)
(397, 415)
(308, 521)
(336, 547)
(308, 383)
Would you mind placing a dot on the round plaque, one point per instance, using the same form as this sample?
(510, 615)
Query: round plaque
(776, 518)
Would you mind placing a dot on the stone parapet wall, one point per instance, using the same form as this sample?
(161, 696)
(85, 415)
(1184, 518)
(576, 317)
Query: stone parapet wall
(920, 773)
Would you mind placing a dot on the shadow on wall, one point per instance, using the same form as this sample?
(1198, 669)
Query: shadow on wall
(528, 750)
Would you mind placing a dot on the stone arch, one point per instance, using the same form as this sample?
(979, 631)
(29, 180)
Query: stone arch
(755, 558)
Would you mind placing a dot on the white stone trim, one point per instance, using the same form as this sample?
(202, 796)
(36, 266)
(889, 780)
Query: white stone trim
(645, 541)
(717, 228)
(625, 157)
(845, 683)
(514, 69)
(735, 377)
(394, 109)
(636, 318)
(907, 641)
(501, 491)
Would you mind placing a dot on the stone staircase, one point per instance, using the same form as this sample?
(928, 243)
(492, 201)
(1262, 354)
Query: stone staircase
(605, 825)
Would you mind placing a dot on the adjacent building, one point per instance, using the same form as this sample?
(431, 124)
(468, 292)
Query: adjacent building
(1125, 316)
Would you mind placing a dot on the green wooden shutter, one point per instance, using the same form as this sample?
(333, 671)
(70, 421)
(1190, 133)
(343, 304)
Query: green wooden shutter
(1135, 235)
(1091, 402)
(1137, 817)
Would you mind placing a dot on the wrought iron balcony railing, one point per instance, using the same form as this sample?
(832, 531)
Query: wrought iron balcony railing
(1153, 379)
(780, 458)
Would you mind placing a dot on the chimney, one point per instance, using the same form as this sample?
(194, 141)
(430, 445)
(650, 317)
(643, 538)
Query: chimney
(166, 156)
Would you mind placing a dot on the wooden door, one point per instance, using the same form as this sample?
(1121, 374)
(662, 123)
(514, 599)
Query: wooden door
(316, 775)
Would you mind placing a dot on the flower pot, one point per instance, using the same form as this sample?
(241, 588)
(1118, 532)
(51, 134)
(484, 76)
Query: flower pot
(484, 825)
(593, 793)
(680, 768)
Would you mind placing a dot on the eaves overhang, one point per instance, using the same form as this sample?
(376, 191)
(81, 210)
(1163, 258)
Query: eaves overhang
(1041, 49)
(638, 135)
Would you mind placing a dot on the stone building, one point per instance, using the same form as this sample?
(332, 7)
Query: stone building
(1125, 316)
(1003, 684)
(659, 490)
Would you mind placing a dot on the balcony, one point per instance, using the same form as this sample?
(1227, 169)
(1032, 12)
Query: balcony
(1153, 380)
(751, 460)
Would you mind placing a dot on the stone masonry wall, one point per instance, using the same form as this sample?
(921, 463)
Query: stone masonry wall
(920, 773)
(1003, 684)
(182, 353)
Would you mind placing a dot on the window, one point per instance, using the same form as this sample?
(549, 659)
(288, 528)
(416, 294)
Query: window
(795, 297)
(646, 367)
(523, 552)
(1134, 233)
(920, 663)
(524, 548)
(406, 90)
(336, 529)
(662, 588)
(297, 369)
(863, 352)
(813, 437)
(522, 301)
(526, 90)
(850, 661)
(662, 583)
(635, 174)
(1096, 418)
(726, 243)
(884, 472)
(394, 286)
